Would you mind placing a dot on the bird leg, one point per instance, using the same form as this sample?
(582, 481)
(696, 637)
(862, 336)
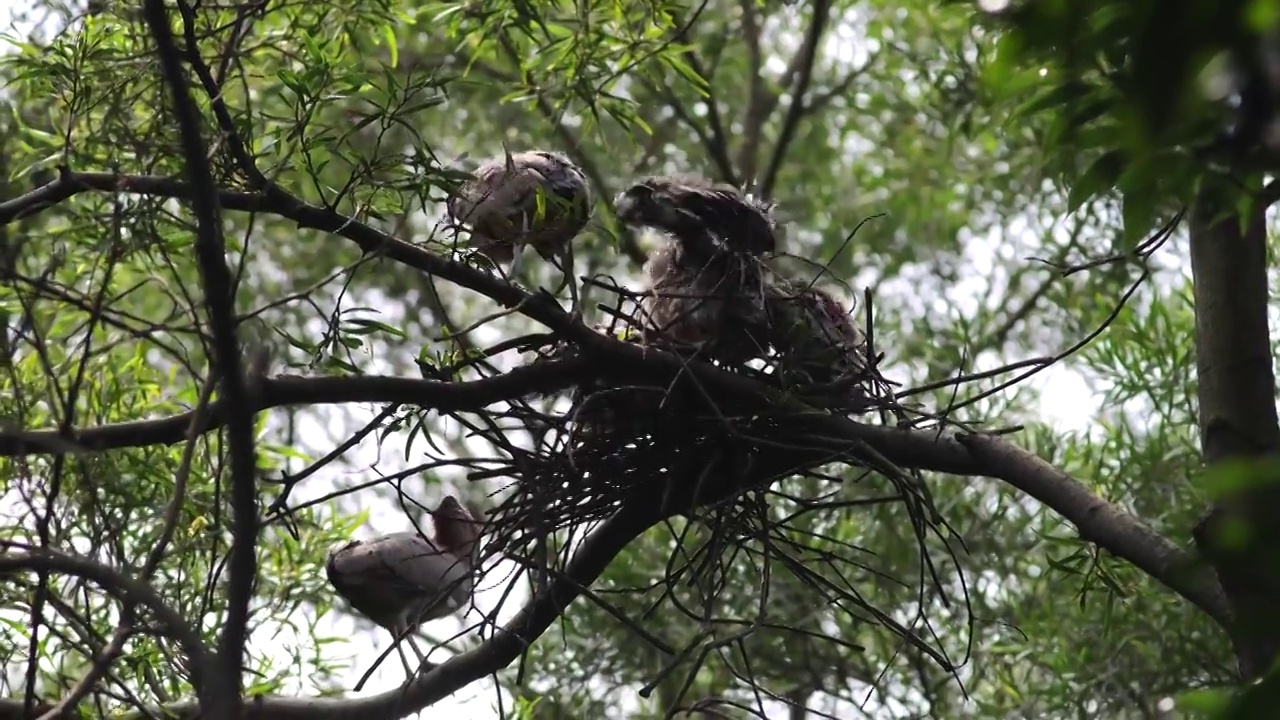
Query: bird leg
(564, 263)
(517, 262)
(405, 635)
(422, 659)
(400, 633)
(575, 306)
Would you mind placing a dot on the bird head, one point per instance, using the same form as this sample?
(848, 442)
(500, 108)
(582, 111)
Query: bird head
(456, 529)
(693, 208)
(646, 204)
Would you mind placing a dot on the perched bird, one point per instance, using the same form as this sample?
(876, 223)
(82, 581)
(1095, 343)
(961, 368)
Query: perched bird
(701, 286)
(687, 206)
(534, 197)
(403, 579)
(816, 335)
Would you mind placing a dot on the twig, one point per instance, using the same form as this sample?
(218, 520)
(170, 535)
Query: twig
(124, 629)
(808, 55)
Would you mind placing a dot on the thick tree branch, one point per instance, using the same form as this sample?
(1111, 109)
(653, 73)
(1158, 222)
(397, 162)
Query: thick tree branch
(219, 297)
(1097, 520)
(1236, 394)
(622, 362)
(1118, 532)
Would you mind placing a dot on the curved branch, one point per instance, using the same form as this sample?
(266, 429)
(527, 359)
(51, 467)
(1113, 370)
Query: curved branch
(124, 588)
(288, 390)
(540, 307)
(499, 651)
(1115, 530)
(805, 59)
(974, 455)
(977, 455)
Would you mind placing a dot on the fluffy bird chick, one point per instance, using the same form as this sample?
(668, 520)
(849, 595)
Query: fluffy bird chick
(403, 579)
(711, 302)
(697, 210)
(531, 198)
(816, 335)
(705, 286)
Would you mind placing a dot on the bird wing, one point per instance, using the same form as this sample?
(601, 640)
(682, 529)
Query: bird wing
(511, 194)
(400, 575)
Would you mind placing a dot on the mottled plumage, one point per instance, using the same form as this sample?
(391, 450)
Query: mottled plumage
(688, 207)
(816, 335)
(534, 197)
(704, 286)
(713, 302)
(403, 579)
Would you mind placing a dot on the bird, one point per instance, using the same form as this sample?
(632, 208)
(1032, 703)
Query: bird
(403, 579)
(533, 198)
(691, 207)
(815, 334)
(704, 285)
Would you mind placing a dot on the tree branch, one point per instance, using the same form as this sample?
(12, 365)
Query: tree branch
(1113, 529)
(808, 56)
(128, 591)
(499, 651)
(718, 141)
(291, 390)
(1236, 397)
(760, 101)
(541, 307)
(981, 455)
(219, 297)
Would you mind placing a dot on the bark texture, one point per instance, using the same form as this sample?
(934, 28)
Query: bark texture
(1236, 394)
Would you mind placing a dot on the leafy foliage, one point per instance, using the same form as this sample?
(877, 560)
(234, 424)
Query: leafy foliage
(1018, 167)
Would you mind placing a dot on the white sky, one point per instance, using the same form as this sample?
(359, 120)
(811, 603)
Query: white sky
(1066, 401)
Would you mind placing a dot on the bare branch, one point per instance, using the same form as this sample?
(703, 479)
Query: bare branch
(717, 141)
(219, 292)
(499, 651)
(542, 308)
(1098, 521)
(806, 57)
(127, 590)
(760, 102)
(1114, 529)
(286, 391)
(124, 629)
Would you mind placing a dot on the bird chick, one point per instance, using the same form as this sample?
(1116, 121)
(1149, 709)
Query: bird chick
(707, 283)
(815, 334)
(697, 210)
(712, 303)
(532, 198)
(403, 579)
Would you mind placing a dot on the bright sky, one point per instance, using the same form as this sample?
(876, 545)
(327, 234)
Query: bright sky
(1065, 399)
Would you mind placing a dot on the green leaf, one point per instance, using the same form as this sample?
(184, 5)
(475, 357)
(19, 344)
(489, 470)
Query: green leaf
(1097, 179)
(1063, 94)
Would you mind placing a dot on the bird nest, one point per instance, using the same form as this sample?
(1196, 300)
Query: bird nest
(743, 377)
(620, 441)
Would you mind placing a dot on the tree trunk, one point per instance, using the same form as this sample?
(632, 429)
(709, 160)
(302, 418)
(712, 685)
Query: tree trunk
(1236, 393)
